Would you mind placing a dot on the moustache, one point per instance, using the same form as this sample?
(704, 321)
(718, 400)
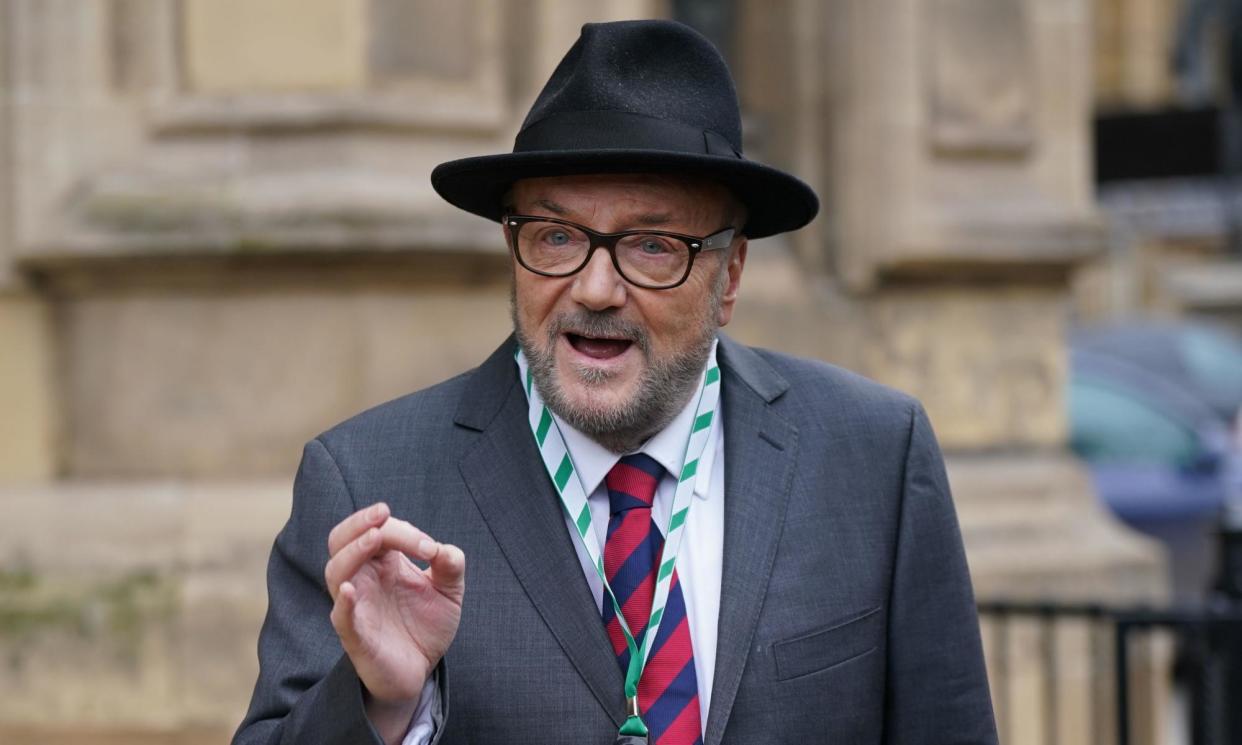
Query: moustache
(599, 326)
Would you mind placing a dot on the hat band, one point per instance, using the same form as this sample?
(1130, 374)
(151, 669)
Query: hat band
(619, 130)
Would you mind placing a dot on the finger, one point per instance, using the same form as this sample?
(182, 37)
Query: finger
(348, 530)
(399, 535)
(448, 566)
(350, 559)
(343, 615)
(447, 563)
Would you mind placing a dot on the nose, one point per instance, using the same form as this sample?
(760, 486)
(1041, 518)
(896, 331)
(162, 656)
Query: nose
(598, 286)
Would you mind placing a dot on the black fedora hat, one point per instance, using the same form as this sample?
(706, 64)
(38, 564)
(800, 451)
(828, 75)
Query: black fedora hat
(635, 97)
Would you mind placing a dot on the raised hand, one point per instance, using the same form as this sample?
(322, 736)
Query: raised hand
(394, 619)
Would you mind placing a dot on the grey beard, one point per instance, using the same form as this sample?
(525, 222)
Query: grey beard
(664, 389)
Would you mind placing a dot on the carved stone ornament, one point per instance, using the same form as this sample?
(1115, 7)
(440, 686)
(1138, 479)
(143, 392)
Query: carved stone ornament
(980, 84)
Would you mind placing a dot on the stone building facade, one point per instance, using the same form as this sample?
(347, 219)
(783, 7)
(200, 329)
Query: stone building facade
(1170, 255)
(218, 237)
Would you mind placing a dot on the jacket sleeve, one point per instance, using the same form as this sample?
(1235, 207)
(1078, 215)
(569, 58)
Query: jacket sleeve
(937, 688)
(307, 691)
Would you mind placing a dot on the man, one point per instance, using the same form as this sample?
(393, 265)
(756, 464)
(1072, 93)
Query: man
(670, 537)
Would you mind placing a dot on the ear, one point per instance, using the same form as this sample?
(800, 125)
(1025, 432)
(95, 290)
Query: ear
(737, 262)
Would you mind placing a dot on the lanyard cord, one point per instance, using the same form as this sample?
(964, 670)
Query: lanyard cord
(560, 466)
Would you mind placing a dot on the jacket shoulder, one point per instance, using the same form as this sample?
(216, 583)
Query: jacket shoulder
(822, 391)
(424, 415)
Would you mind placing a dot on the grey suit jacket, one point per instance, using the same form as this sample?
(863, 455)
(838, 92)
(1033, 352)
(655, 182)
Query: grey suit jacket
(846, 612)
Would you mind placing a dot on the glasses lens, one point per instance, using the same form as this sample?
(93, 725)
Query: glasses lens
(551, 247)
(653, 259)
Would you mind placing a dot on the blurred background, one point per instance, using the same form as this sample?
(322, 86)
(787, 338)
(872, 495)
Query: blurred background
(218, 238)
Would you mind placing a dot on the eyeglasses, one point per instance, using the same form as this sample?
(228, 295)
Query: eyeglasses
(653, 259)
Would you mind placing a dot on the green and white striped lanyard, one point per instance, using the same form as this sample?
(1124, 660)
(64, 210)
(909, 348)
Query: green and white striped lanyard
(559, 462)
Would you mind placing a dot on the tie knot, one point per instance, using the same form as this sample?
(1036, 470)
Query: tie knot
(632, 482)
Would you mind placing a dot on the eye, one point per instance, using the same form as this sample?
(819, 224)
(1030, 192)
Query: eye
(556, 237)
(653, 246)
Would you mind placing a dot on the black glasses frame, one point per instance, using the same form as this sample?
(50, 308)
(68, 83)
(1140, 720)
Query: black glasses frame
(608, 241)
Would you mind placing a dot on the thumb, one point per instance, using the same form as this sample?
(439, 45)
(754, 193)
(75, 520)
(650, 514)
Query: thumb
(447, 566)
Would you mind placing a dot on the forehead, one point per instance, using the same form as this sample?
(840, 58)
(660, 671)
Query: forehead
(681, 198)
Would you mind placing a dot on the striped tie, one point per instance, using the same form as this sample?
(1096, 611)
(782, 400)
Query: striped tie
(668, 693)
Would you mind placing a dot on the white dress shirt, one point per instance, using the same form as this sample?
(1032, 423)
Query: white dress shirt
(702, 547)
(702, 544)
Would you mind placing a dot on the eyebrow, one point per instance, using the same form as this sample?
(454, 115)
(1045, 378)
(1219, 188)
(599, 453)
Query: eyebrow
(649, 219)
(654, 218)
(552, 207)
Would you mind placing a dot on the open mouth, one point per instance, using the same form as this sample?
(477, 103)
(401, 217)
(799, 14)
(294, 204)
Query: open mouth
(597, 347)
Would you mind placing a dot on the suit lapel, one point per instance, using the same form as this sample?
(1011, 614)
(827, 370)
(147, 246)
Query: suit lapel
(760, 453)
(506, 477)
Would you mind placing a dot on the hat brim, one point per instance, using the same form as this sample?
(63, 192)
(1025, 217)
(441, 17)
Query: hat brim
(776, 202)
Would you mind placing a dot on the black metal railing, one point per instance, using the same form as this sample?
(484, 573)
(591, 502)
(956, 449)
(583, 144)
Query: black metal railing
(1207, 662)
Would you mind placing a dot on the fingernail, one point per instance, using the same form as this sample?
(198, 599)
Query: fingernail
(374, 512)
(425, 546)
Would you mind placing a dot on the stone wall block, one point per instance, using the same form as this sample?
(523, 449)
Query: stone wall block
(27, 390)
(989, 365)
(274, 45)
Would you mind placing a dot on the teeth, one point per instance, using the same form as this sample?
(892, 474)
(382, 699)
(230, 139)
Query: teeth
(599, 338)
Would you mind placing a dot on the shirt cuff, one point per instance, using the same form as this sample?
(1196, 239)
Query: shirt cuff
(422, 725)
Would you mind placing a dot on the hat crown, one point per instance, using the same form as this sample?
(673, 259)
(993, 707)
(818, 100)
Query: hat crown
(634, 97)
(652, 68)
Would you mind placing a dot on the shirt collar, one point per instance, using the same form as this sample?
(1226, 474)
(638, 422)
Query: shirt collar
(593, 461)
